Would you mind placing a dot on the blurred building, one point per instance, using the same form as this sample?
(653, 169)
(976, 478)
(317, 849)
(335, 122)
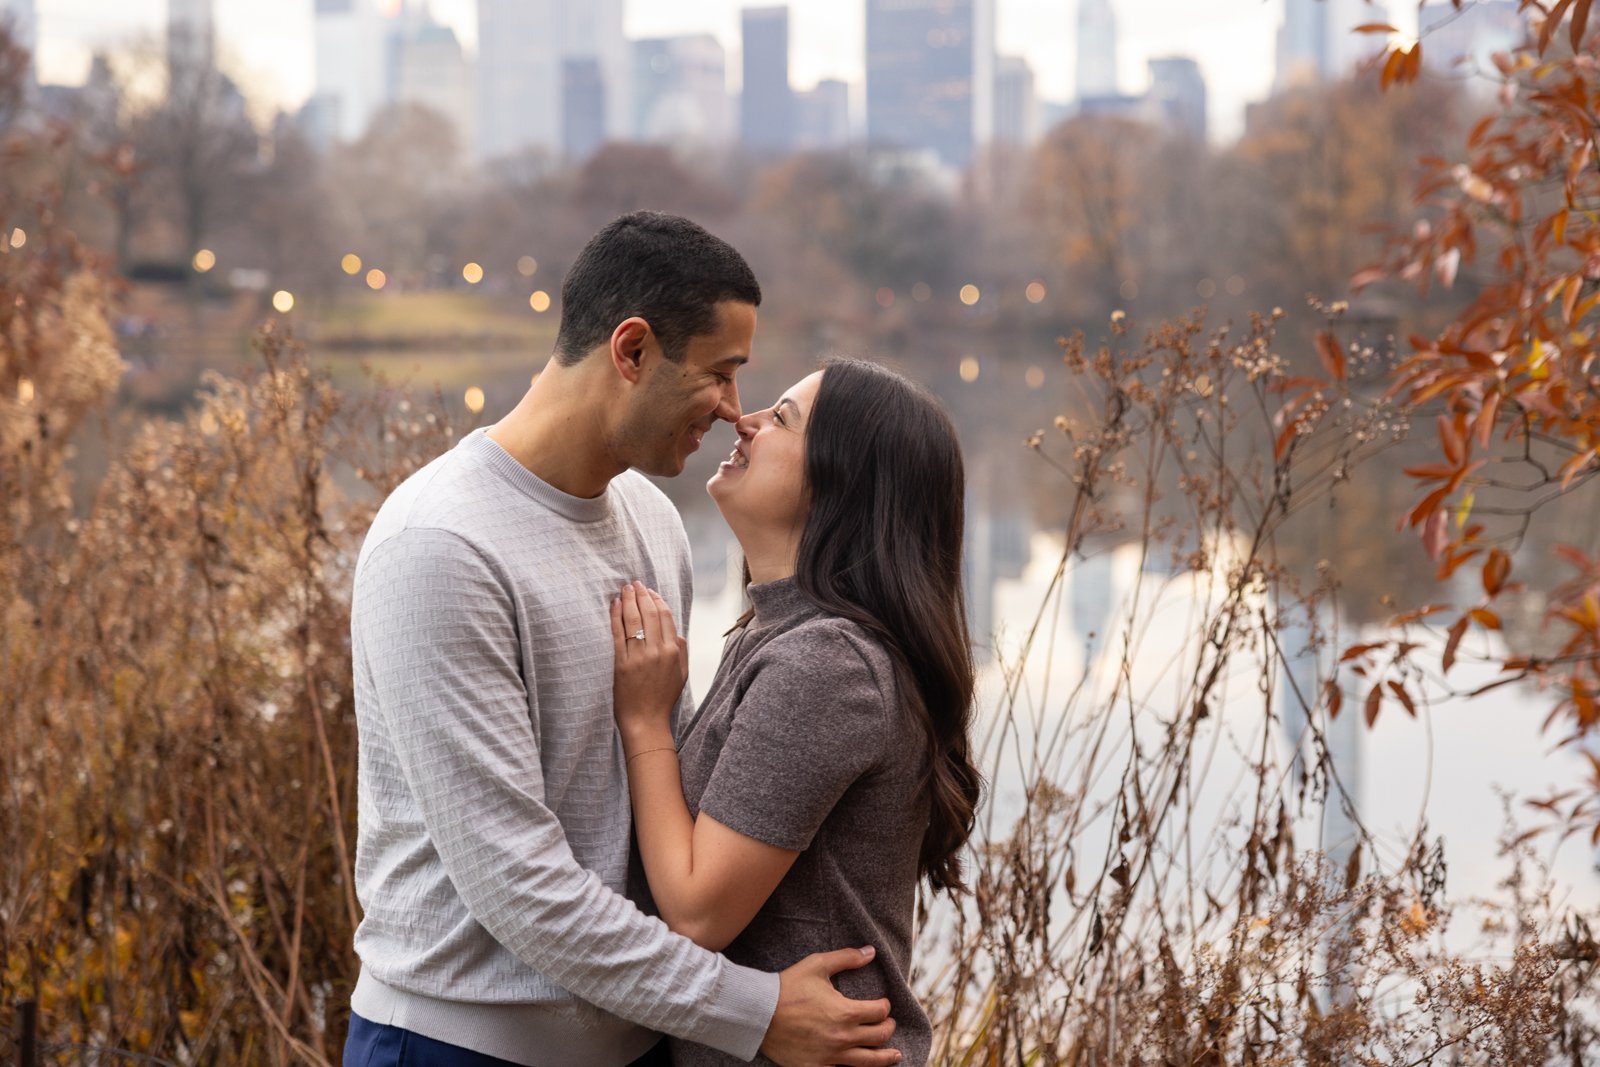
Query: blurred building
(1315, 42)
(432, 69)
(1097, 50)
(1178, 91)
(766, 103)
(19, 17)
(1465, 40)
(822, 116)
(680, 90)
(522, 48)
(930, 76)
(191, 36)
(351, 70)
(583, 107)
(1016, 106)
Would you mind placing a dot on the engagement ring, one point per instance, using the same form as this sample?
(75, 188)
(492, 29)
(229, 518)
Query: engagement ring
(638, 635)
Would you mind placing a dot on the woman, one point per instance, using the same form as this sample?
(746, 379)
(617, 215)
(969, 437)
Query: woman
(828, 769)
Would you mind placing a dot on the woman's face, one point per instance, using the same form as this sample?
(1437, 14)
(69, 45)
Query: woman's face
(761, 486)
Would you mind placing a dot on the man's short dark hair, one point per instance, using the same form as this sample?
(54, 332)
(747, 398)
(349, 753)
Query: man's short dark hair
(664, 269)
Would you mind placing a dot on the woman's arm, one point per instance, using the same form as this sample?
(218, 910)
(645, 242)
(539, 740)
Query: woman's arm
(708, 880)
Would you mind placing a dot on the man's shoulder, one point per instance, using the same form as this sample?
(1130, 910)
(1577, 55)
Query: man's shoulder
(644, 499)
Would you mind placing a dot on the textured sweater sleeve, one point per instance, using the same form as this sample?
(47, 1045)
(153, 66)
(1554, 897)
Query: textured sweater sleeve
(438, 632)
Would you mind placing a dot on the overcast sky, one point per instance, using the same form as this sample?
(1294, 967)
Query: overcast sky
(271, 40)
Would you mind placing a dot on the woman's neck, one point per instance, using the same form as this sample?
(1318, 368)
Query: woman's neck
(770, 558)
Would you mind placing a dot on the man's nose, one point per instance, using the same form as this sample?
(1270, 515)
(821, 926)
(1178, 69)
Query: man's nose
(728, 406)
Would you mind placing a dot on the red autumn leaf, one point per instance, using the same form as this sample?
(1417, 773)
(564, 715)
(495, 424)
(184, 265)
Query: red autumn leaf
(1334, 697)
(1436, 534)
(1458, 629)
(1495, 569)
(1485, 618)
(1580, 22)
(1331, 354)
(1486, 417)
(1455, 449)
(1404, 697)
(1374, 698)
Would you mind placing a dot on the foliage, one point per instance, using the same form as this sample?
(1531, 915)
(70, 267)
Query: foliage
(1511, 384)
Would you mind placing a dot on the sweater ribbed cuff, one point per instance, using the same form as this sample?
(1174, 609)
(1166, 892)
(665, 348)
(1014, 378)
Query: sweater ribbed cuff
(736, 1019)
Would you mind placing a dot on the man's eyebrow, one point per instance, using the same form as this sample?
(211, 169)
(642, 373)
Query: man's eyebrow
(737, 361)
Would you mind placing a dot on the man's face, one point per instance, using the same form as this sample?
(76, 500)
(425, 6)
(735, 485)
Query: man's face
(676, 403)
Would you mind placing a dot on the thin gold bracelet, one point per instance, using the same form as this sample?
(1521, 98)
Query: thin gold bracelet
(646, 752)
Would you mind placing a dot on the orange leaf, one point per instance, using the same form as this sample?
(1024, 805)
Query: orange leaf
(1335, 698)
(1558, 226)
(1580, 22)
(1374, 27)
(1405, 698)
(1374, 698)
(1569, 300)
(1455, 449)
(1485, 618)
(1495, 569)
(1331, 354)
(1391, 67)
(1486, 417)
(1458, 629)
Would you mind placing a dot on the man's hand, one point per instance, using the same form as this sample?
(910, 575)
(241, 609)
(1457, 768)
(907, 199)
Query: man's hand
(816, 1025)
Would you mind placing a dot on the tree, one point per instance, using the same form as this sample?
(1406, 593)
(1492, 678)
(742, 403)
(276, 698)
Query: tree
(1513, 380)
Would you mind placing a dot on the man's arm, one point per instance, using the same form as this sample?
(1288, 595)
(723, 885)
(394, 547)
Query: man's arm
(438, 631)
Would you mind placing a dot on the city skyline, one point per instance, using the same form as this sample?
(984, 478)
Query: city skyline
(1233, 41)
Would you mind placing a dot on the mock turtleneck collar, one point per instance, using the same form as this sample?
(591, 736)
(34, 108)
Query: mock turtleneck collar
(779, 602)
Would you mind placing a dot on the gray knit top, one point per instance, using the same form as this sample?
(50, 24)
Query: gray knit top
(802, 742)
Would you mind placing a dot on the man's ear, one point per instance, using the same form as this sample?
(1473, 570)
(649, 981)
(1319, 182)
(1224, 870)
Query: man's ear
(632, 343)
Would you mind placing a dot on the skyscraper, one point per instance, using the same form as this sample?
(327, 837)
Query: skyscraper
(766, 103)
(1465, 40)
(822, 116)
(1178, 90)
(191, 37)
(18, 17)
(1097, 49)
(521, 48)
(680, 90)
(930, 75)
(583, 107)
(432, 70)
(1016, 107)
(352, 71)
(1315, 42)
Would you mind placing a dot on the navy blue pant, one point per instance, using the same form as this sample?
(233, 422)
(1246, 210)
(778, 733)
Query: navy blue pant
(378, 1045)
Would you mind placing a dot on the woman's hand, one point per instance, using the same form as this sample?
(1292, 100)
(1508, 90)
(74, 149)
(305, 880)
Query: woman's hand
(652, 666)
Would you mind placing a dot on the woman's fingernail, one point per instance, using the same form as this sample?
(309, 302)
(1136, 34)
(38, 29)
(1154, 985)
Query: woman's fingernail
(869, 952)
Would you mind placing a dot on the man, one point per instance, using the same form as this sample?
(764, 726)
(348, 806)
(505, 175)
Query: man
(493, 807)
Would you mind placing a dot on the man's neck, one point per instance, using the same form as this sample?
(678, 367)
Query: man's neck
(557, 431)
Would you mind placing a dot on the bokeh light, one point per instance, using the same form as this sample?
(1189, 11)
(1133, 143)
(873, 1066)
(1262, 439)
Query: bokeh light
(24, 390)
(1034, 292)
(351, 263)
(1235, 285)
(283, 301)
(1206, 289)
(19, 237)
(376, 278)
(885, 297)
(539, 301)
(969, 295)
(921, 292)
(1035, 377)
(969, 369)
(472, 273)
(527, 266)
(204, 260)
(473, 399)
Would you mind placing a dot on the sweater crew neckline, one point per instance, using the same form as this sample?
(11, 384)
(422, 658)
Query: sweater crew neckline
(479, 445)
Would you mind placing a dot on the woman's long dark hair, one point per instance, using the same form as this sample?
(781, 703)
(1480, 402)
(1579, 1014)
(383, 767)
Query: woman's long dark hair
(882, 547)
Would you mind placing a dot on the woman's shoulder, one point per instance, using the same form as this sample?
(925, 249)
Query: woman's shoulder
(830, 646)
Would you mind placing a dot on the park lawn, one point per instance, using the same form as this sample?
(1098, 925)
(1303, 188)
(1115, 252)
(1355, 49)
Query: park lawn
(420, 316)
